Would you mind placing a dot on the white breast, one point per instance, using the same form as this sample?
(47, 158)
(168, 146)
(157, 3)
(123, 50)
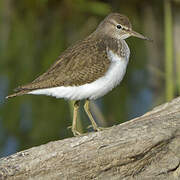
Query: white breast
(96, 89)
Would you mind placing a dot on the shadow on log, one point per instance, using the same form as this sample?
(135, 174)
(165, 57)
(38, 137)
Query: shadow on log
(146, 148)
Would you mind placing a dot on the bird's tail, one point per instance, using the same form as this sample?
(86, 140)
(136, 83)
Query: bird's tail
(19, 93)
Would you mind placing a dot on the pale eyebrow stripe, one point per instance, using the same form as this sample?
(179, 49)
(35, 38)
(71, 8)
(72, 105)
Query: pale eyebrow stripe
(114, 23)
(123, 27)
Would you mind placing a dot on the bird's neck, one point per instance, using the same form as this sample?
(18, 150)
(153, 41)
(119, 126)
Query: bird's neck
(106, 42)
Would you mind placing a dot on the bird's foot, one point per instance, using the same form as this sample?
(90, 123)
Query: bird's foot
(96, 128)
(74, 131)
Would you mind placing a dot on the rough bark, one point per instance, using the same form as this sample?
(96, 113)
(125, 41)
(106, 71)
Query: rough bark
(147, 147)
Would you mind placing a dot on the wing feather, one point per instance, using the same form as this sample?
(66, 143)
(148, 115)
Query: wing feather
(80, 64)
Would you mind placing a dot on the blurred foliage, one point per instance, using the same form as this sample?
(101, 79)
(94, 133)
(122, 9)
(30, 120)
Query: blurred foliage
(34, 33)
(168, 50)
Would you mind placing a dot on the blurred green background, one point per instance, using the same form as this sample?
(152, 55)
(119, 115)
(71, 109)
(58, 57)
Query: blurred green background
(33, 33)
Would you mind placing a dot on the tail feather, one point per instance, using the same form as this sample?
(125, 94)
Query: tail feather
(22, 92)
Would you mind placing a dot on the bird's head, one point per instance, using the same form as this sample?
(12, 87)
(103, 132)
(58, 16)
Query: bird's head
(118, 26)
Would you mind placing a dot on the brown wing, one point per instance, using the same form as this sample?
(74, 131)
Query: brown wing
(82, 63)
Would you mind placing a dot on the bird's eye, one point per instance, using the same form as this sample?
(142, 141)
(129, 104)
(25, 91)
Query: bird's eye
(119, 26)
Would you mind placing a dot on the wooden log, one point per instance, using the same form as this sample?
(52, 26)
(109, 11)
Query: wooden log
(146, 148)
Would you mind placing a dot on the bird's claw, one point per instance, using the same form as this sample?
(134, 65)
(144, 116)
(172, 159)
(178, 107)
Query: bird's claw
(96, 128)
(75, 132)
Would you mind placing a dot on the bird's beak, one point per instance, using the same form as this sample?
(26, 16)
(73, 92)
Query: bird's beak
(138, 35)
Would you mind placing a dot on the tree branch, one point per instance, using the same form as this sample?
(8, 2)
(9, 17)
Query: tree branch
(147, 147)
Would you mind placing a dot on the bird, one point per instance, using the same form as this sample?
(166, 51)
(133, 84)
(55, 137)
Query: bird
(89, 69)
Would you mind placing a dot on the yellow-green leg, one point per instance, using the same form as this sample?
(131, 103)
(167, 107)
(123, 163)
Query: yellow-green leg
(74, 123)
(87, 110)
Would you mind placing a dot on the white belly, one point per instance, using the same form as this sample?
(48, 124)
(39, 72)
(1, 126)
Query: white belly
(93, 90)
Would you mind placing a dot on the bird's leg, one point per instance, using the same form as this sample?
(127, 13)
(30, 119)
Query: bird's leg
(74, 123)
(87, 110)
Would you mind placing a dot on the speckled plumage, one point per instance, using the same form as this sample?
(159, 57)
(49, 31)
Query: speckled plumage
(87, 60)
(82, 63)
(89, 69)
